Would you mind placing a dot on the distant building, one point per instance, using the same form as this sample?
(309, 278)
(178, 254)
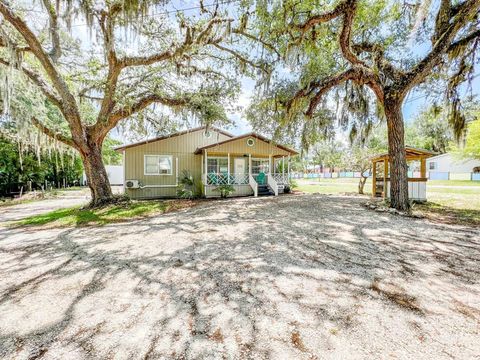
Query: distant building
(114, 172)
(448, 167)
(449, 163)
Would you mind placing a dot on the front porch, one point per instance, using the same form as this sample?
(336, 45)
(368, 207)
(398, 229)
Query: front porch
(248, 174)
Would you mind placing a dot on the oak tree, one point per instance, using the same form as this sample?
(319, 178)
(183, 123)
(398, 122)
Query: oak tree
(138, 54)
(353, 45)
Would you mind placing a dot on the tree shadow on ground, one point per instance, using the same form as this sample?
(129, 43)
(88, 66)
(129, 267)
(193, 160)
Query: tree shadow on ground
(248, 276)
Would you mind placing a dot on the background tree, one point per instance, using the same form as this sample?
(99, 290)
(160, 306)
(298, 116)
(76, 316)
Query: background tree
(329, 154)
(366, 44)
(360, 154)
(177, 67)
(430, 130)
(471, 148)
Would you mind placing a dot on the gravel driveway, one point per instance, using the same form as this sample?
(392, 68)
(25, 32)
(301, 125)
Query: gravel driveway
(299, 277)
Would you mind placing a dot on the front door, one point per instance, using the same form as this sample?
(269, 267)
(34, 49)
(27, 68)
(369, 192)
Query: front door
(240, 170)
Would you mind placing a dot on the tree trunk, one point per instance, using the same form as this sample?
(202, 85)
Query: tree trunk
(361, 184)
(396, 152)
(97, 177)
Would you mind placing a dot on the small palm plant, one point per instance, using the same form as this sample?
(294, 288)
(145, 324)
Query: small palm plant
(187, 188)
(224, 190)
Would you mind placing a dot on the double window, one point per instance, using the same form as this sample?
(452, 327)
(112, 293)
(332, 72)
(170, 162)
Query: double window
(158, 164)
(217, 165)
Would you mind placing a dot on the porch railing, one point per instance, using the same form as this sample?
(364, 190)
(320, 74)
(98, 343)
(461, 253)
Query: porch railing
(224, 179)
(273, 184)
(281, 179)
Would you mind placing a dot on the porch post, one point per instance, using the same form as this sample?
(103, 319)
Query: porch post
(374, 178)
(270, 164)
(288, 168)
(228, 168)
(249, 164)
(283, 168)
(206, 168)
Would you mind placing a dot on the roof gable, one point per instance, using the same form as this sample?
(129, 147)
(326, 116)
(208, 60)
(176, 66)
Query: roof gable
(252, 135)
(180, 133)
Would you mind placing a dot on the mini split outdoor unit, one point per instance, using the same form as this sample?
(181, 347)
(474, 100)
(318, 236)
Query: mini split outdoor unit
(132, 184)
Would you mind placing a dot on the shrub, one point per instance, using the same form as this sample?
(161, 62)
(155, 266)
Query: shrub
(188, 187)
(224, 190)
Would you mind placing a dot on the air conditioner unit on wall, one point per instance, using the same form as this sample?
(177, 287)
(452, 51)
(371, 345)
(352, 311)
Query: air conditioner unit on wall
(132, 184)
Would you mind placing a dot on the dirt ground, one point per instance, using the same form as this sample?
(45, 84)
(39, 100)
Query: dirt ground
(293, 277)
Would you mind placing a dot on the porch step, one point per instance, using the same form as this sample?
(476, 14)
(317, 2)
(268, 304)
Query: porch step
(264, 190)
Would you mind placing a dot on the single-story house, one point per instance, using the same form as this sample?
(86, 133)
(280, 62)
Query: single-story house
(114, 173)
(447, 162)
(251, 163)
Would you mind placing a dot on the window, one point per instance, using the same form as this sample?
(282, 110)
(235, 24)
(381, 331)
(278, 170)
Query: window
(260, 165)
(250, 142)
(158, 165)
(432, 166)
(217, 165)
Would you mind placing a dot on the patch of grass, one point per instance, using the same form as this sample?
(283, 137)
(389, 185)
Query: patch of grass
(76, 216)
(449, 215)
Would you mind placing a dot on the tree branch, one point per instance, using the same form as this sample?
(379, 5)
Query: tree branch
(463, 13)
(242, 58)
(345, 35)
(39, 81)
(56, 135)
(323, 18)
(463, 41)
(102, 129)
(69, 108)
(56, 51)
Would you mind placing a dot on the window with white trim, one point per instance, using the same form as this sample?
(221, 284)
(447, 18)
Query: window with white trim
(158, 164)
(260, 165)
(432, 166)
(217, 165)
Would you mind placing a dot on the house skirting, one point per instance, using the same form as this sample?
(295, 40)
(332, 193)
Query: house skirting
(240, 190)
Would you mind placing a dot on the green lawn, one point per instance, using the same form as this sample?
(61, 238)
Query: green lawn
(75, 216)
(453, 201)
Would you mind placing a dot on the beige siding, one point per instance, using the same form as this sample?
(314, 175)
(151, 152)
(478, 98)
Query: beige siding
(180, 147)
(259, 149)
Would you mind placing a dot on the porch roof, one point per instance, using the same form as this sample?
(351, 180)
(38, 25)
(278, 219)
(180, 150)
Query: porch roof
(248, 135)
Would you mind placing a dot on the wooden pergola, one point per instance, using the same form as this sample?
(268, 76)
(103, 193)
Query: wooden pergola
(412, 154)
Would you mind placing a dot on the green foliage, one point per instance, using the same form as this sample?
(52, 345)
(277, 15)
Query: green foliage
(19, 167)
(189, 188)
(430, 130)
(471, 149)
(224, 190)
(109, 155)
(329, 153)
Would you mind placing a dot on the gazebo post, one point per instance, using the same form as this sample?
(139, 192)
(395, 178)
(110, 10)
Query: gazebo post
(423, 168)
(385, 172)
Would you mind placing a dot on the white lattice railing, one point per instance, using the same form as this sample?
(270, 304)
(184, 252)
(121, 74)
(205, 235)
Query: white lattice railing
(281, 179)
(223, 179)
